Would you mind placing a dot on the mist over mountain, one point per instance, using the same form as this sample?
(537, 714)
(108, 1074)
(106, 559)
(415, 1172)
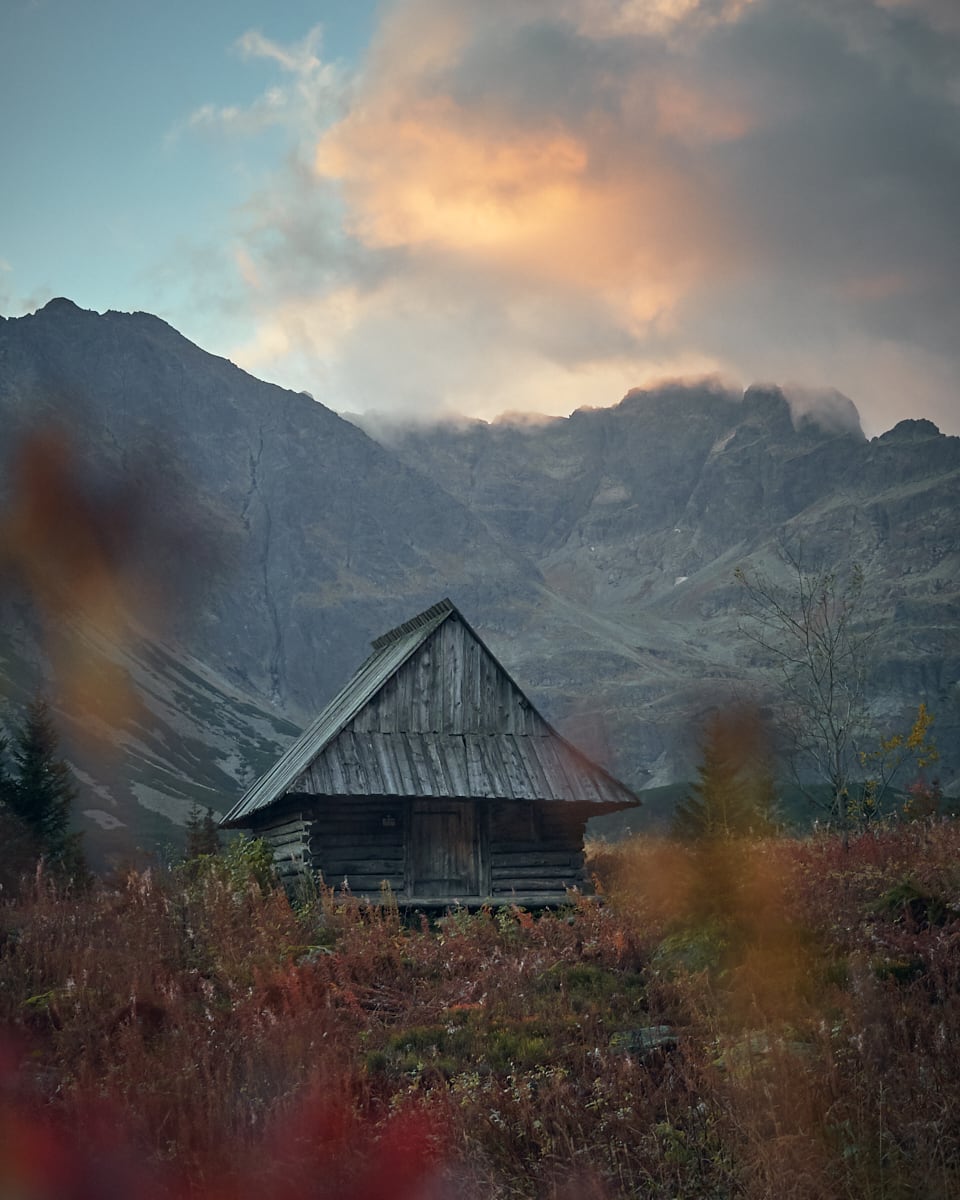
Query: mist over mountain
(265, 541)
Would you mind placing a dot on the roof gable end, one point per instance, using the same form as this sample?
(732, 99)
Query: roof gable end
(432, 712)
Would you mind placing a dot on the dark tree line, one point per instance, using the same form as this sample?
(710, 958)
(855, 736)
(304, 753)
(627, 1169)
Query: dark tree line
(37, 790)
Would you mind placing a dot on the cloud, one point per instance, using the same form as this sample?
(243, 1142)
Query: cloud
(313, 94)
(524, 204)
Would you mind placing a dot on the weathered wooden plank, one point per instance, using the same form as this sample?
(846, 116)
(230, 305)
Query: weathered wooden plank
(543, 858)
(455, 766)
(286, 839)
(334, 766)
(552, 872)
(489, 688)
(454, 649)
(533, 763)
(404, 679)
(279, 826)
(551, 883)
(363, 866)
(342, 752)
(476, 783)
(416, 752)
(482, 783)
(421, 690)
(512, 823)
(498, 687)
(516, 768)
(554, 768)
(367, 826)
(382, 709)
(443, 699)
(285, 857)
(443, 784)
(584, 780)
(404, 768)
(365, 766)
(393, 716)
(559, 820)
(361, 848)
(365, 883)
(286, 843)
(349, 811)
(312, 781)
(273, 838)
(553, 844)
(474, 696)
(503, 778)
(296, 822)
(334, 806)
(379, 752)
(499, 783)
(361, 830)
(342, 841)
(377, 854)
(289, 854)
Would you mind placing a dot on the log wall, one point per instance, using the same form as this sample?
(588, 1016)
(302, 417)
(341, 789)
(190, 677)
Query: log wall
(534, 848)
(360, 842)
(524, 847)
(287, 836)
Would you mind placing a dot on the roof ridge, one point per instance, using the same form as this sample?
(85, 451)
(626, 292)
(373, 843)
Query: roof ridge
(441, 608)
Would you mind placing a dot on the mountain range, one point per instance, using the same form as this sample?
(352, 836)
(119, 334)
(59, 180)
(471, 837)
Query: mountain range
(195, 560)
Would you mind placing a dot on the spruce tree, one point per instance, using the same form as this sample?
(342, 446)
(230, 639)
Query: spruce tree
(18, 848)
(40, 794)
(203, 837)
(734, 795)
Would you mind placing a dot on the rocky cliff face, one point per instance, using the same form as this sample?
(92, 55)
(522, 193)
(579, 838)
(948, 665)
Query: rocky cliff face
(596, 553)
(638, 515)
(302, 525)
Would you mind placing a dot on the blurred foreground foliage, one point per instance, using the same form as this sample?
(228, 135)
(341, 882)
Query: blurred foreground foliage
(736, 1018)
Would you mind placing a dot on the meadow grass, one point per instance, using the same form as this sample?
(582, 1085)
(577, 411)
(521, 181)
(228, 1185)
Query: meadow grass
(738, 1019)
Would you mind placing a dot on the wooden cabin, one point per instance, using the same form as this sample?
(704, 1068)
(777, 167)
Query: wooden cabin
(432, 772)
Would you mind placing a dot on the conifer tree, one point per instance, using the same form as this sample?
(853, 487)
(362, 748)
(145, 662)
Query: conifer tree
(734, 795)
(40, 794)
(203, 837)
(18, 849)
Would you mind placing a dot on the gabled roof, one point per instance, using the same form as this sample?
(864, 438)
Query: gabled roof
(384, 733)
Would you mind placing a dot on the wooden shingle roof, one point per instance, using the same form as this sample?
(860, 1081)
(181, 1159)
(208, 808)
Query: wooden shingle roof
(432, 713)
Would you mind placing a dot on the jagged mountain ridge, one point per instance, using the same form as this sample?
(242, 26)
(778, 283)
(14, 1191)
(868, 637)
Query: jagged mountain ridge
(595, 553)
(638, 515)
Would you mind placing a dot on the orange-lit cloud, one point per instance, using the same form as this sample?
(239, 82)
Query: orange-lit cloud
(524, 204)
(541, 199)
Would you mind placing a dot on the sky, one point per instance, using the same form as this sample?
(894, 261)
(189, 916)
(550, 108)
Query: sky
(428, 207)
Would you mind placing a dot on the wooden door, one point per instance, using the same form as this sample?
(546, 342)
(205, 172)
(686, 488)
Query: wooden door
(445, 848)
